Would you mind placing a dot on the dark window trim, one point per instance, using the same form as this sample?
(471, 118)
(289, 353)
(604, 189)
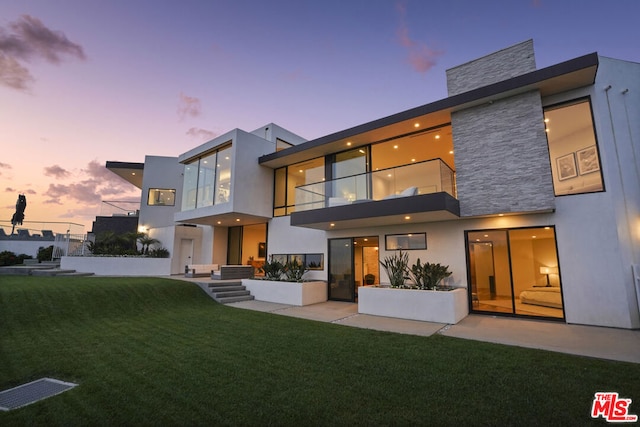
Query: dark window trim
(386, 243)
(567, 103)
(512, 315)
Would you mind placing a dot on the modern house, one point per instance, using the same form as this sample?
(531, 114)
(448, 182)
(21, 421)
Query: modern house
(524, 181)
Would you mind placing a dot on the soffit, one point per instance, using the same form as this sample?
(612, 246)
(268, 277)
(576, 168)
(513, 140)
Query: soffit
(130, 172)
(569, 75)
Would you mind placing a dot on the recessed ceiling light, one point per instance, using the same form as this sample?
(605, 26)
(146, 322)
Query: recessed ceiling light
(451, 152)
(547, 228)
(219, 222)
(413, 160)
(349, 144)
(437, 136)
(237, 219)
(407, 217)
(332, 225)
(361, 151)
(500, 214)
(533, 237)
(395, 146)
(301, 171)
(546, 120)
(417, 125)
(133, 173)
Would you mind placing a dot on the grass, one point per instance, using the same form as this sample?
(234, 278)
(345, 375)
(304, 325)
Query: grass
(150, 351)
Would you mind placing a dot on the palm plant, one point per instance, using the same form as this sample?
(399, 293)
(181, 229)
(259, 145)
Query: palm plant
(146, 242)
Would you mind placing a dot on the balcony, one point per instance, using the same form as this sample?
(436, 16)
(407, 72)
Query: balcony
(418, 192)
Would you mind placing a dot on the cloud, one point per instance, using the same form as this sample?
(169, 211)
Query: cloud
(421, 57)
(10, 190)
(27, 39)
(201, 134)
(5, 166)
(189, 106)
(56, 172)
(30, 192)
(95, 182)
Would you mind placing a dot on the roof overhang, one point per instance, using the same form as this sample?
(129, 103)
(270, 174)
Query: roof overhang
(130, 172)
(569, 75)
(405, 210)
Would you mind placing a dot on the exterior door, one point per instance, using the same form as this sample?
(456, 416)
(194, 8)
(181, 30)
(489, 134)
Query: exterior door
(186, 253)
(234, 246)
(341, 278)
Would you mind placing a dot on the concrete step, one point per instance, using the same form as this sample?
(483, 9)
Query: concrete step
(217, 284)
(228, 300)
(220, 289)
(239, 293)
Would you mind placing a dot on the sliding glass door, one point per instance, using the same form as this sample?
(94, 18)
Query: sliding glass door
(514, 272)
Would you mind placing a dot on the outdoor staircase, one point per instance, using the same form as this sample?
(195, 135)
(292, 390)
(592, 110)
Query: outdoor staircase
(228, 291)
(45, 268)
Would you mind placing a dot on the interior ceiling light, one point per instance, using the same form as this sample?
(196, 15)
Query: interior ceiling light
(437, 136)
(349, 144)
(407, 217)
(332, 225)
(361, 151)
(219, 222)
(395, 146)
(417, 125)
(237, 219)
(451, 152)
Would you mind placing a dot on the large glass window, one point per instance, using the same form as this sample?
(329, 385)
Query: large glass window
(354, 164)
(575, 163)
(207, 180)
(515, 272)
(223, 182)
(190, 185)
(290, 177)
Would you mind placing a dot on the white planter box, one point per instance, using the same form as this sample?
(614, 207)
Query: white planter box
(414, 304)
(118, 266)
(292, 293)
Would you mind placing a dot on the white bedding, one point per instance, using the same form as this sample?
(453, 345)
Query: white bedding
(547, 296)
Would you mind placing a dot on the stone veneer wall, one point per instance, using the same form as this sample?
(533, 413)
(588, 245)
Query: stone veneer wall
(502, 157)
(502, 65)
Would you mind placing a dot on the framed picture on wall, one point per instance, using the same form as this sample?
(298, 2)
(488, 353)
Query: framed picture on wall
(262, 250)
(566, 167)
(588, 160)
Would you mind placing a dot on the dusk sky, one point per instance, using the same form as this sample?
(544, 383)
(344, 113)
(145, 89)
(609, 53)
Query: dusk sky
(83, 82)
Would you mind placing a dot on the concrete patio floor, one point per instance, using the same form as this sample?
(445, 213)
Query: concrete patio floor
(604, 343)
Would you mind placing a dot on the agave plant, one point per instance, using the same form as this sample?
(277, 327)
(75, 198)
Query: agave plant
(396, 267)
(294, 270)
(272, 269)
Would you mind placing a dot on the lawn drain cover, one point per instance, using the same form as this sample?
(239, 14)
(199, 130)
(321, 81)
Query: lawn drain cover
(32, 392)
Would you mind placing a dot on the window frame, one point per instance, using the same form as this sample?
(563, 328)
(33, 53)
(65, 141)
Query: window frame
(173, 190)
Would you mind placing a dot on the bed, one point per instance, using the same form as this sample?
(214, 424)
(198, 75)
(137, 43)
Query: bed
(546, 296)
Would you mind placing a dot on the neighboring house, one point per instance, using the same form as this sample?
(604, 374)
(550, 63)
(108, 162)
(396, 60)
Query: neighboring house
(524, 181)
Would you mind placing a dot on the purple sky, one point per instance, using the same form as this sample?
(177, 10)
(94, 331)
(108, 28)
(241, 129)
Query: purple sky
(83, 82)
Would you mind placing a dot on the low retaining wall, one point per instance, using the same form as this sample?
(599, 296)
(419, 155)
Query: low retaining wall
(118, 266)
(413, 304)
(291, 293)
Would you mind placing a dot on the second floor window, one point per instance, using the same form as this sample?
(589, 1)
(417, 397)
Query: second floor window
(573, 148)
(207, 180)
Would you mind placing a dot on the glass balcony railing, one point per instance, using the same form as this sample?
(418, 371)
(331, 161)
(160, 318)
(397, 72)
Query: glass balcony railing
(432, 176)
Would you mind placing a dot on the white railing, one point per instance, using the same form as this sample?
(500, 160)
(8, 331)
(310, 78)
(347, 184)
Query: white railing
(70, 245)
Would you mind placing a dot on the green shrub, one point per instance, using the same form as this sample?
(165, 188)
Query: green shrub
(45, 254)
(9, 258)
(396, 267)
(273, 270)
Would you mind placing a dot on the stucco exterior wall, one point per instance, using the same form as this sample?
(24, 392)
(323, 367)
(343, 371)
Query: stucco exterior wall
(160, 172)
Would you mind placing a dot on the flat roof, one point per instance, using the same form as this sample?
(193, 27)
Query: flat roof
(562, 77)
(130, 172)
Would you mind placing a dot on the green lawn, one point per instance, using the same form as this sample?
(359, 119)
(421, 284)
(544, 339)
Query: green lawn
(149, 351)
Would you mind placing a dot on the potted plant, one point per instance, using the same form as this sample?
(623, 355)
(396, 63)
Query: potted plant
(420, 299)
(284, 284)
